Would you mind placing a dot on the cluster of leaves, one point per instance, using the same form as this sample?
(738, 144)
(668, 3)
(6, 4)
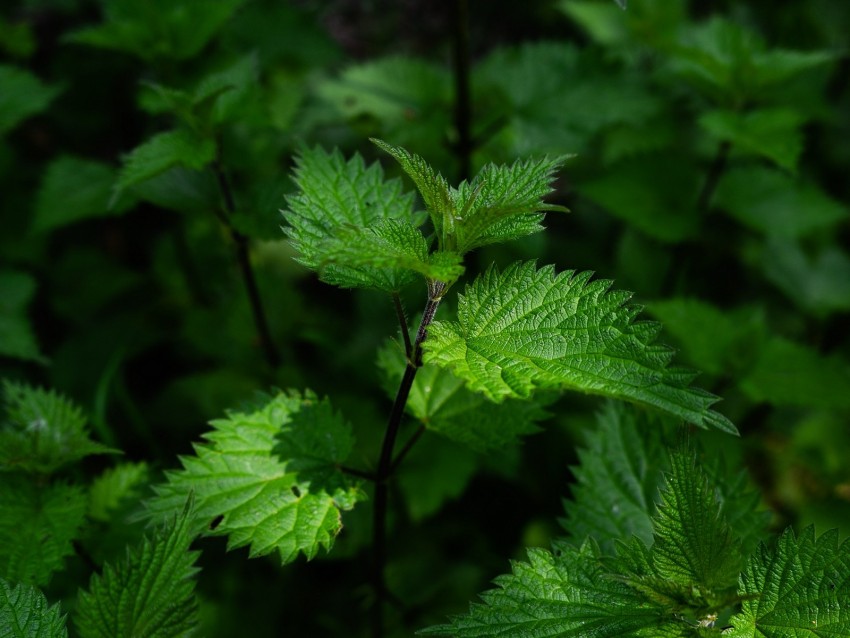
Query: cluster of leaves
(143, 161)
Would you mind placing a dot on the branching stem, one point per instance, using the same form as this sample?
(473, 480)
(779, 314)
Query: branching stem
(386, 466)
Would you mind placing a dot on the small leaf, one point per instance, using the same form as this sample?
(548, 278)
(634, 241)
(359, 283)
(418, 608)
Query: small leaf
(116, 485)
(163, 151)
(149, 594)
(271, 476)
(25, 613)
(525, 329)
(37, 527)
(334, 195)
(22, 95)
(798, 588)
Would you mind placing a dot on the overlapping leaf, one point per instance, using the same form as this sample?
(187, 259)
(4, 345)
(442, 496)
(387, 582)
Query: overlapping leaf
(180, 147)
(525, 328)
(798, 588)
(269, 478)
(149, 594)
(21, 95)
(25, 613)
(334, 196)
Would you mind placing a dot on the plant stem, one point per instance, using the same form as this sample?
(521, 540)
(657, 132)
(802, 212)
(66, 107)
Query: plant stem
(463, 100)
(243, 258)
(402, 321)
(386, 467)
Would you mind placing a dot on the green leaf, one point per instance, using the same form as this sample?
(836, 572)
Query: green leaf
(17, 338)
(334, 195)
(771, 133)
(773, 203)
(42, 431)
(798, 588)
(37, 526)
(391, 244)
(150, 593)
(617, 479)
(74, 189)
(525, 329)
(158, 29)
(568, 594)
(439, 401)
(115, 486)
(163, 151)
(25, 613)
(22, 95)
(271, 475)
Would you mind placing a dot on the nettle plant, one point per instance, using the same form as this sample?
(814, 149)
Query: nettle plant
(661, 539)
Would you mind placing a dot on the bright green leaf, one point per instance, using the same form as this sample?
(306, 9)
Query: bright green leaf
(269, 477)
(22, 95)
(771, 133)
(37, 527)
(798, 588)
(149, 594)
(25, 613)
(163, 151)
(524, 329)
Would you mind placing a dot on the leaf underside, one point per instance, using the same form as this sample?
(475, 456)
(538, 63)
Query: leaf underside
(524, 329)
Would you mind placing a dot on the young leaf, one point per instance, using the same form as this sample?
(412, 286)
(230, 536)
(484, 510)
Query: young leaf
(617, 479)
(271, 474)
(565, 594)
(798, 588)
(149, 594)
(335, 195)
(114, 487)
(16, 334)
(525, 328)
(37, 526)
(25, 613)
(21, 95)
(439, 400)
(42, 431)
(163, 151)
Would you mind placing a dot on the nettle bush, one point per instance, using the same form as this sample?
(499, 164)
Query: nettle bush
(459, 333)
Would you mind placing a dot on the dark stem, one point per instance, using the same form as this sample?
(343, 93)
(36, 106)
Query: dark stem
(463, 100)
(407, 447)
(402, 322)
(353, 471)
(243, 258)
(386, 467)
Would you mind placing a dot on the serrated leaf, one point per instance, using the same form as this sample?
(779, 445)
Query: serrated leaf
(617, 479)
(524, 329)
(149, 594)
(37, 527)
(17, 338)
(773, 203)
(798, 588)
(25, 613)
(164, 151)
(334, 195)
(114, 486)
(439, 400)
(771, 133)
(391, 244)
(22, 95)
(271, 476)
(42, 431)
(568, 594)
(74, 189)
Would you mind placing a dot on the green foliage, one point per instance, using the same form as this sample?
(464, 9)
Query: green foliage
(17, 338)
(525, 328)
(269, 477)
(22, 95)
(163, 151)
(150, 593)
(25, 613)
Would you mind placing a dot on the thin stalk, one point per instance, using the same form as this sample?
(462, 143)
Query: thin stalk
(407, 447)
(402, 322)
(463, 99)
(243, 258)
(386, 466)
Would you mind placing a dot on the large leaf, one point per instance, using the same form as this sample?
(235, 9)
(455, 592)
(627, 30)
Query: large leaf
(25, 613)
(269, 477)
(21, 95)
(798, 588)
(149, 594)
(37, 527)
(525, 328)
(334, 195)
(771, 133)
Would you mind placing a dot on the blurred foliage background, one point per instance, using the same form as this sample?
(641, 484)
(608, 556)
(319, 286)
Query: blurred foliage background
(145, 152)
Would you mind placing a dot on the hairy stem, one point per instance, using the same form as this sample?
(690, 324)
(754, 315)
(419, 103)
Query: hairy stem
(243, 258)
(386, 467)
(463, 100)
